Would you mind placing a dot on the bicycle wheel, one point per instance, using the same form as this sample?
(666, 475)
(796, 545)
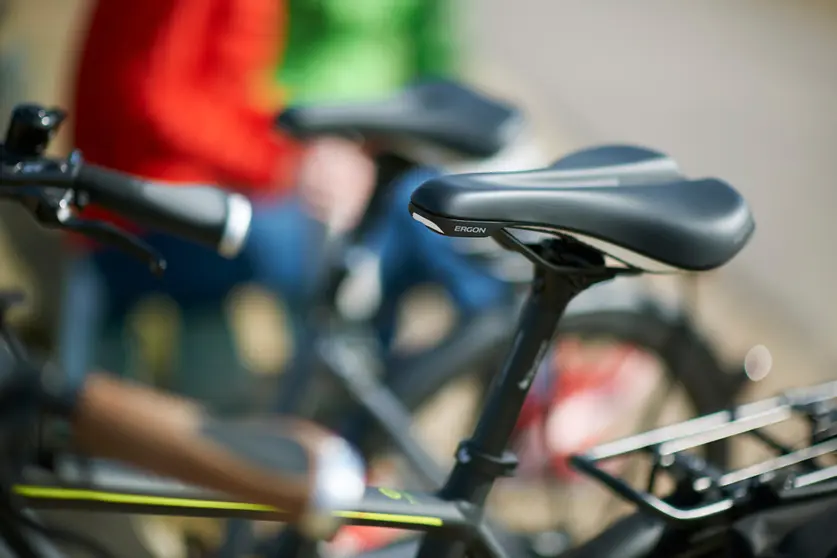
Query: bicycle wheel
(604, 333)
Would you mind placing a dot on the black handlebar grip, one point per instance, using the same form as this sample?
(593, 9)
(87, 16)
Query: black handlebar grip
(202, 214)
(634, 536)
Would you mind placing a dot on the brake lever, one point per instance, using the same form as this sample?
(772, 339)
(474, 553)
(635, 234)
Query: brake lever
(53, 208)
(120, 239)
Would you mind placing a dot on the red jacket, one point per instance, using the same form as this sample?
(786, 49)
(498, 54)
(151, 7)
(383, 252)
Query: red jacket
(166, 90)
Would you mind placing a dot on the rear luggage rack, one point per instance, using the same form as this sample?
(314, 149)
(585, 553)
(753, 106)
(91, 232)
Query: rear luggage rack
(702, 490)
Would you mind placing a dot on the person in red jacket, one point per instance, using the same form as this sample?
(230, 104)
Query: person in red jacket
(172, 90)
(169, 89)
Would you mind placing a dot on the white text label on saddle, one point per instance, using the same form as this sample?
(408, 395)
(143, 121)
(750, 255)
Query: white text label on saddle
(465, 229)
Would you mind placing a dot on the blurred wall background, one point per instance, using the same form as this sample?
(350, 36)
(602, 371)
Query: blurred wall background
(744, 90)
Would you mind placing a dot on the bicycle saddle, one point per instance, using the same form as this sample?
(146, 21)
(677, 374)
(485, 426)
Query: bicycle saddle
(440, 112)
(630, 203)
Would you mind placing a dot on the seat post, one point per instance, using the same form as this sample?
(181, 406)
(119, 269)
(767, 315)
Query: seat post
(483, 458)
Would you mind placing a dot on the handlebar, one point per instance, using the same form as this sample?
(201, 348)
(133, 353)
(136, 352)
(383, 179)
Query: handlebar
(52, 188)
(292, 465)
(202, 214)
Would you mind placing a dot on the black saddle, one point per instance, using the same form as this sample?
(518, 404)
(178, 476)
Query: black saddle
(630, 203)
(443, 113)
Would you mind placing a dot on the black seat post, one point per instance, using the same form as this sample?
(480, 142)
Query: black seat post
(483, 458)
(548, 297)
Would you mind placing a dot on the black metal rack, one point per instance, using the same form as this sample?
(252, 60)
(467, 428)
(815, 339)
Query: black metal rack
(704, 491)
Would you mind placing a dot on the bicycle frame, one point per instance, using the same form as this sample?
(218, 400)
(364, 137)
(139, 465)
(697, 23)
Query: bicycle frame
(111, 488)
(108, 487)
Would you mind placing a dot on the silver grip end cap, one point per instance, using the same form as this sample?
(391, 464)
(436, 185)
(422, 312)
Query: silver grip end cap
(237, 227)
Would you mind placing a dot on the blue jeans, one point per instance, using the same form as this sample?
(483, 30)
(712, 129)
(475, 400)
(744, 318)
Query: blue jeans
(279, 255)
